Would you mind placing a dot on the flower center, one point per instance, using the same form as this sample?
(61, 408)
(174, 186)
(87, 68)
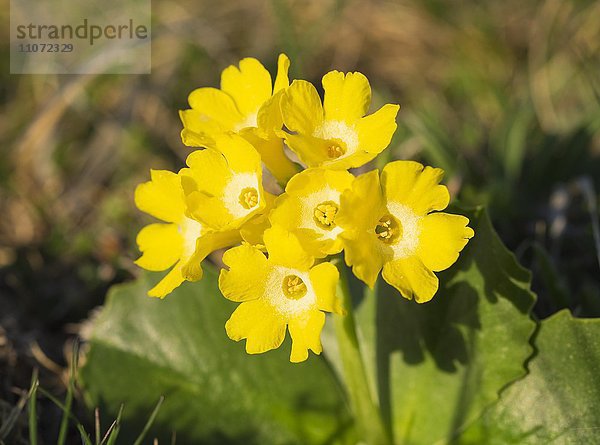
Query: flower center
(342, 138)
(293, 287)
(248, 197)
(388, 229)
(335, 151)
(324, 214)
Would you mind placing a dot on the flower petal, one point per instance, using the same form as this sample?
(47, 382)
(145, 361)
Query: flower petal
(192, 139)
(285, 249)
(208, 172)
(355, 160)
(272, 153)
(311, 150)
(306, 334)
(171, 281)
(317, 246)
(347, 96)
(241, 156)
(198, 129)
(301, 107)
(363, 253)
(269, 118)
(412, 278)
(442, 237)
(362, 206)
(324, 247)
(209, 210)
(411, 184)
(248, 269)
(216, 105)
(314, 180)
(252, 231)
(376, 130)
(249, 85)
(257, 322)
(205, 245)
(324, 278)
(161, 246)
(162, 197)
(287, 212)
(282, 81)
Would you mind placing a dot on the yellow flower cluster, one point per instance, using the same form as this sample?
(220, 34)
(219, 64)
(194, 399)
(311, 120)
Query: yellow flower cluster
(277, 264)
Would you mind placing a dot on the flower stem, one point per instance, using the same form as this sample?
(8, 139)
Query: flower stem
(367, 413)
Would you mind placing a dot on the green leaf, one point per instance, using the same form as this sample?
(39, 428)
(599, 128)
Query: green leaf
(142, 348)
(559, 400)
(435, 367)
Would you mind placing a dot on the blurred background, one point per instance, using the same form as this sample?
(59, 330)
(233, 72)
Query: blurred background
(505, 96)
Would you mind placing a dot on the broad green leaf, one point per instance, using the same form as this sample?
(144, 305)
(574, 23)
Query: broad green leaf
(142, 348)
(558, 401)
(435, 367)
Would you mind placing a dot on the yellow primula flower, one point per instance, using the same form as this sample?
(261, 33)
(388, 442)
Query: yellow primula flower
(176, 241)
(223, 185)
(390, 225)
(284, 290)
(309, 207)
(246, 104)
(336, 134)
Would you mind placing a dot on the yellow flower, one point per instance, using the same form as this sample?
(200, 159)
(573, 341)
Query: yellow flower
(174, 243)
(309, 206)
(247, 104)
(390, 225)
(335, 134)
(223, 185)
(285, 289)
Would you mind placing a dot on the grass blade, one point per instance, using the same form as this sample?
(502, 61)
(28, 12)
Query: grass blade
(149, 422)
(97, 425)
(33, 409)
(111, 435)
(10, 421)
(85, 437)
(64, 423)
